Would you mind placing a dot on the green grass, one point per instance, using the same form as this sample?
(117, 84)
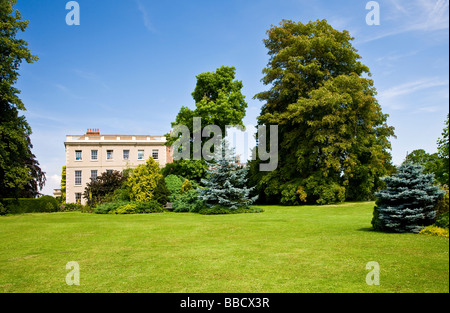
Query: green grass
(284, 249)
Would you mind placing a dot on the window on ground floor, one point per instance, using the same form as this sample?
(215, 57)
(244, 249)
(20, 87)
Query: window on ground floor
(78, 197)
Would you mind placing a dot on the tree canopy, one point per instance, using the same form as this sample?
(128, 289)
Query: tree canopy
(333, 137)
(20, 174)
(443, 151)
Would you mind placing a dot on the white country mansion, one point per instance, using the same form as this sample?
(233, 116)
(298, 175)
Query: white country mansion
(91, 154)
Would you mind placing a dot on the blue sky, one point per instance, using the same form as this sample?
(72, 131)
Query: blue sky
(131, 64)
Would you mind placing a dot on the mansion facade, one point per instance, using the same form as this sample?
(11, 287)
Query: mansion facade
(91, 154)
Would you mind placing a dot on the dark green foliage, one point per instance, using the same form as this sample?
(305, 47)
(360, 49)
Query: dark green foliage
(408, 203)
(44, 204)
(102, 189)
(20, 174)
(216, 210)
(333, 136)
(193, 170)
(151, 206)
(443, 152)
(442, 220)
(431, 163)
(70, 207)
(442, 209)
(187, 202)
(104, 208)
(442, 205)
(122, 194)
(161, 193)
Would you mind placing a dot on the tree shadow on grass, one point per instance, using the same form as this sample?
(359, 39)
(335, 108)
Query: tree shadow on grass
(367, 229)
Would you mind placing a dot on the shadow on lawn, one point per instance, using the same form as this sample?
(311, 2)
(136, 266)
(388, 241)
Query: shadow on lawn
(367, 229)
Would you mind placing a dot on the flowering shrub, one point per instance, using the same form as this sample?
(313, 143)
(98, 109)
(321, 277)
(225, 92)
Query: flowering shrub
(434, 231)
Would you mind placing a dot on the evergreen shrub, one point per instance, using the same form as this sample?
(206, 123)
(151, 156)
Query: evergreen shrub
(408, 203)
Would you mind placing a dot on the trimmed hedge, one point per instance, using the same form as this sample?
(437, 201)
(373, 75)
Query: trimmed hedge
(44, 204)
(126, 207)
(216, 210)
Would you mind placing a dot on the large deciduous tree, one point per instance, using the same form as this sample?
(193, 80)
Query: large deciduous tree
(20, 174)
(333, 137)
(443, 152)
(431, 163)
(218, 101)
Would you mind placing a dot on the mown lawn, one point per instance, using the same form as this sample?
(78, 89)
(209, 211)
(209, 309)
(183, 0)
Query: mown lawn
(284, 249)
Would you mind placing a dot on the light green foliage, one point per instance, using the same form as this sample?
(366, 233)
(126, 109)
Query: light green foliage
(186, 186)
(435, 231)
(144, 180)
(333, 137)
(174, 183)
(218, 100)
(193, 170)
(125, 209)
(63, 184)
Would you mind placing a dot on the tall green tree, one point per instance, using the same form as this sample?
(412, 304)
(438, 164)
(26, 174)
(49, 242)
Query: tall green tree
(431, 163)
(333, 137)
(218, 101)
(20, 174)
(443, 151)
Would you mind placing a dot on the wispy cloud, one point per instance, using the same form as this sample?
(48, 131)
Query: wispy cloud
(411, 87)
(392, 97)
(393, 56)
(68, 92)
(417, 15)
(146, 19)
(92, 77)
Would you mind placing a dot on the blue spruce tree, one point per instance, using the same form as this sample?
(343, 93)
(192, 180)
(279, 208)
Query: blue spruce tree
(226, 182)
(408, 202)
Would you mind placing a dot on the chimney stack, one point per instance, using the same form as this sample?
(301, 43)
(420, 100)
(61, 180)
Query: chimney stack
(93, 131)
